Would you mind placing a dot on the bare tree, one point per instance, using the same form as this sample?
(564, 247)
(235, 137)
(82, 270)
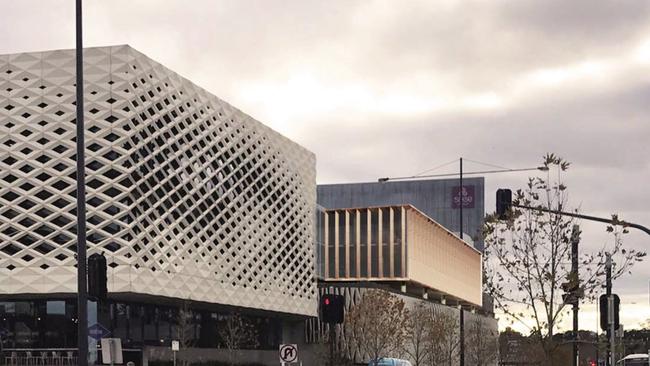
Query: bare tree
(528, 256)
(419, 325)
(376, 325)
(184, 331)
(481, 343)
(444, 339)
(237, 333)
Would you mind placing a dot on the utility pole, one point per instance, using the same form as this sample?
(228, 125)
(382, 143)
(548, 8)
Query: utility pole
(332, 340)
(460, 202)
(575, 240)
(82, 297)
(462, 335)
(460, 307)
(598, 335)
(611, 329)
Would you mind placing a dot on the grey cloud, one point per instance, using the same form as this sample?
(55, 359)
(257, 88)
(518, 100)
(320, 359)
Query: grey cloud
(480, 44)
(607, 130)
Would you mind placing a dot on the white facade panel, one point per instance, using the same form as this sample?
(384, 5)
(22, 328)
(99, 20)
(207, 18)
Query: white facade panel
(187, 196)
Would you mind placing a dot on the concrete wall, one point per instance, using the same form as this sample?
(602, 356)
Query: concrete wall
(353, 293)
(293, 332)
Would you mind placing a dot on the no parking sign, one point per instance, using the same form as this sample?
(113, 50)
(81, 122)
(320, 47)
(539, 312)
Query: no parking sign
(288, 353)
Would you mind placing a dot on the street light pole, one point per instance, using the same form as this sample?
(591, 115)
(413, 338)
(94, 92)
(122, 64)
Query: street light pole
(460, 208)
(460, 230)
(610, 316)
(82, 298)
(575, 240)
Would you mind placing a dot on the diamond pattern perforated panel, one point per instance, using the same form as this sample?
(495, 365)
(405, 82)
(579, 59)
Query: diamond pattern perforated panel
(187, 196)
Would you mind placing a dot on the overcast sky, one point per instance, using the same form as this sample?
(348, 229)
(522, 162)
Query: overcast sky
(388, 88)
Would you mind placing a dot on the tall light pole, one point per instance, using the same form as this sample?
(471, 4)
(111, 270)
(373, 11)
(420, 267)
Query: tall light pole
(460, 200)
(82, 295)
(461, 313)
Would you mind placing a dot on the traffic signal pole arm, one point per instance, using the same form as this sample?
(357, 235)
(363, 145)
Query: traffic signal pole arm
(504, 203)
(588, 217)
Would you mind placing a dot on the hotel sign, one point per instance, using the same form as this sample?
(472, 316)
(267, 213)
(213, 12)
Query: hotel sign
(466, 195)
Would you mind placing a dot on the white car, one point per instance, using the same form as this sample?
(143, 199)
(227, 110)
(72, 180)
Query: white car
(385, 361)
(637, 359)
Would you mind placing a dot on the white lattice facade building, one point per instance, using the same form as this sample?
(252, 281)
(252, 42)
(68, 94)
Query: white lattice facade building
(187, 196)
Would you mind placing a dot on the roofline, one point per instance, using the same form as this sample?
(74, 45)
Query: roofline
(414, 180)
(66, 49)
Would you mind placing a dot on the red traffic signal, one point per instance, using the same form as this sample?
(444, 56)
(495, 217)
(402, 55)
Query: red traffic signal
(332, 308)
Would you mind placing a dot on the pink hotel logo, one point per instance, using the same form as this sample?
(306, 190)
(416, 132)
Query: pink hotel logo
(467, 196)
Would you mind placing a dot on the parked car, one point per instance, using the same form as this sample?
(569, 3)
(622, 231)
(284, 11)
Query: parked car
(637, 359)
(386, 361)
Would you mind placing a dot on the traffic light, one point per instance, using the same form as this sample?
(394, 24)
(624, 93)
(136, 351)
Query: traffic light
(504, 203)
(332, 308)
(604, 312)
(97, 286)
(572, 291)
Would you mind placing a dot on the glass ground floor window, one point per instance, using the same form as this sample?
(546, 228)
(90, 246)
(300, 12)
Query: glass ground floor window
(38, 323)
(52, 323)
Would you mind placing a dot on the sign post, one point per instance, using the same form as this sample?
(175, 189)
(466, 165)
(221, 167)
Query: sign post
(176, 346)
(112, 351)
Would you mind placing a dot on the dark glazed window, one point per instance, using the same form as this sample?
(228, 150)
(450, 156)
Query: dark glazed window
(342, 255)
(374, 242)
(353, 243)
(331, 224)
(385, 241)
(135, 323)
(364, 242)
(120, 320)
(398, 242)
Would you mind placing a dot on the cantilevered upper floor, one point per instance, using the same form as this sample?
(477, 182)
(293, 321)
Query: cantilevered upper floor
(401, 246)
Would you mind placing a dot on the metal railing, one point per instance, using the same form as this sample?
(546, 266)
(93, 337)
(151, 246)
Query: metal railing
(40, 356)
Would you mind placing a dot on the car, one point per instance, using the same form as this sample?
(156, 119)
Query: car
(387, 361)
(637, 359)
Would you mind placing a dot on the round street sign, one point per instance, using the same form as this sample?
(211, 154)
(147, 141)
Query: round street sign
(288, 352)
